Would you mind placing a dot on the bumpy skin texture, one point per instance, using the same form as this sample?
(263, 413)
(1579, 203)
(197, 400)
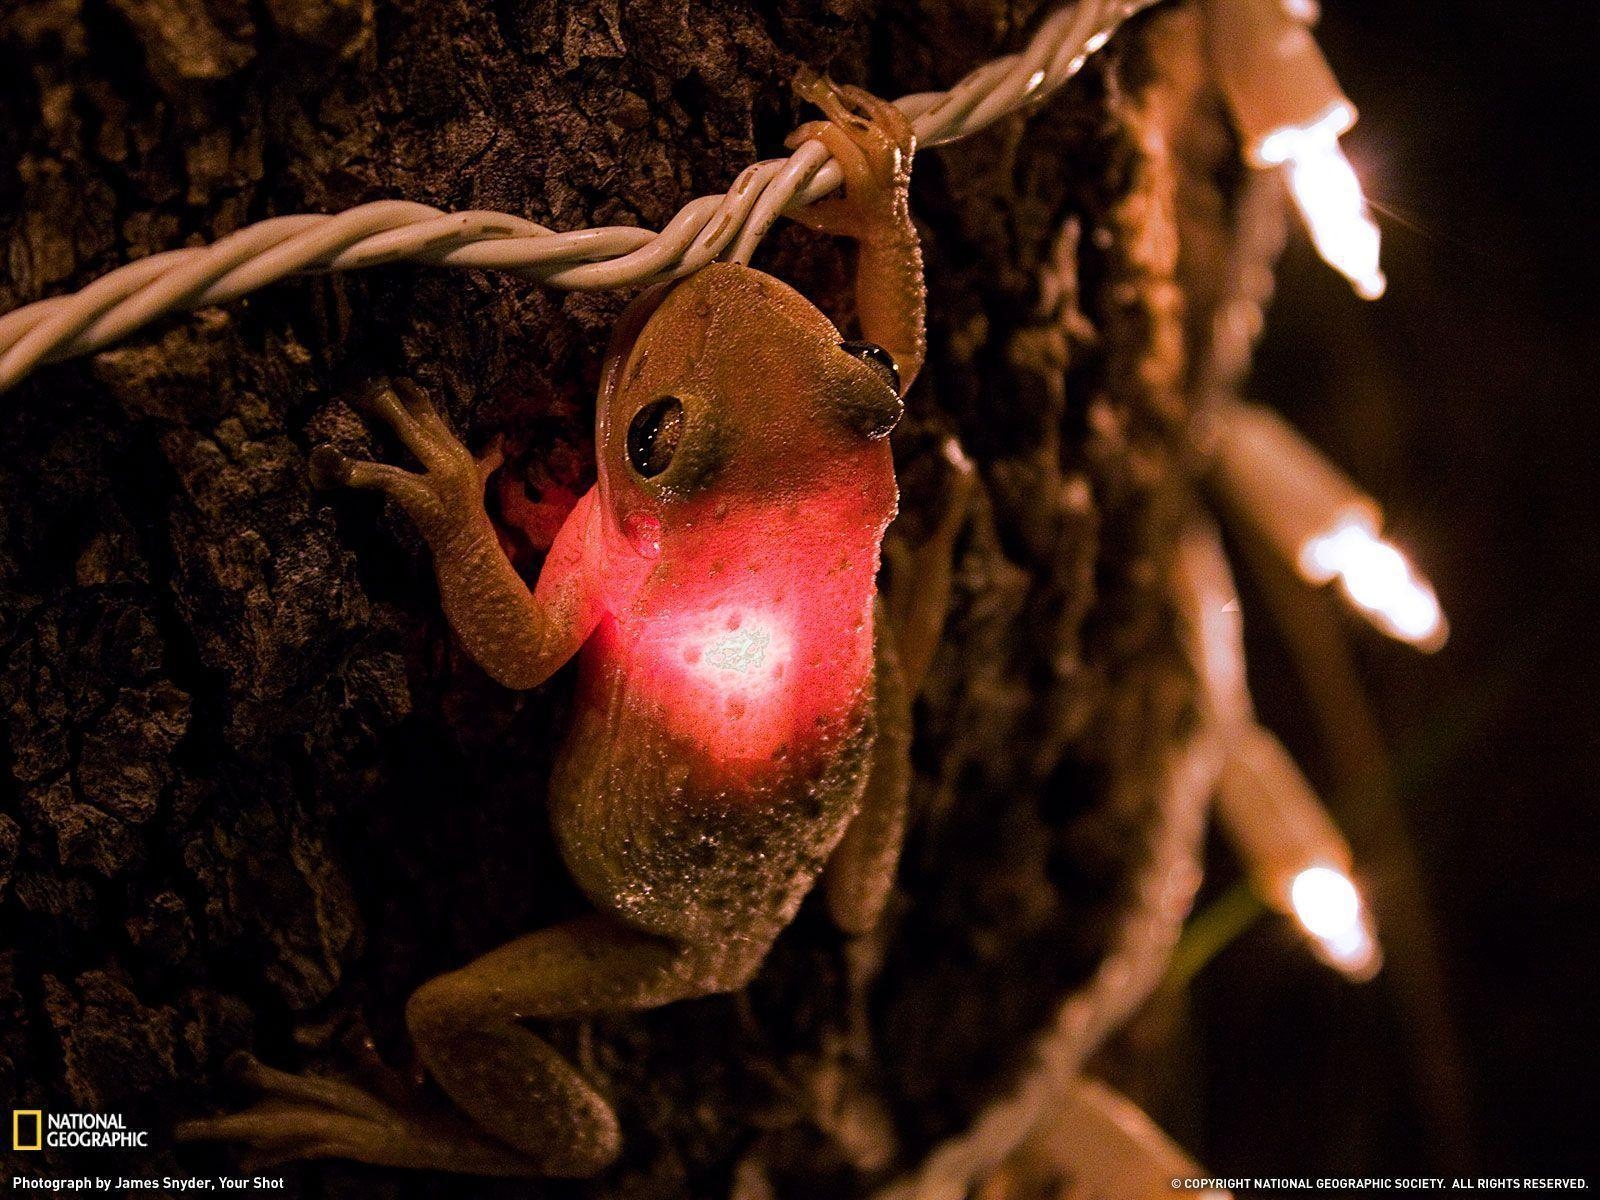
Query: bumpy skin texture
(719, 579)
(723, 717)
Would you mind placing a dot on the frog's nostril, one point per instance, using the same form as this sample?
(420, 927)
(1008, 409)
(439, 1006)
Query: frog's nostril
(873, 415)
(890, 418)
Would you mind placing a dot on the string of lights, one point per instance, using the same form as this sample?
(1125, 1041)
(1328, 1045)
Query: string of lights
(1159, 901)
(729, 226)
(1286, 102)
(1296, 859)
(1294, 854)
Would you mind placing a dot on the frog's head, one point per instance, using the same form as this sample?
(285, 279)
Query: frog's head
(729, 391)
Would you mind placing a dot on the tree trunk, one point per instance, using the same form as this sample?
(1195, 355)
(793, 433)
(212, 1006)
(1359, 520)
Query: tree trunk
(252, 794)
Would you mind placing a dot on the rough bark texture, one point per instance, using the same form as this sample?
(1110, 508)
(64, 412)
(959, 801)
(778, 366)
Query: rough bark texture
(251, 795)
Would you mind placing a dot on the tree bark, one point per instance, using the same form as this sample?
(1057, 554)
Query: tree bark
(252, 795)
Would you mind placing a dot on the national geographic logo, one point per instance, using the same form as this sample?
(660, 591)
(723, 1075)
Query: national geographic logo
(31, 1129)
(27, 1129)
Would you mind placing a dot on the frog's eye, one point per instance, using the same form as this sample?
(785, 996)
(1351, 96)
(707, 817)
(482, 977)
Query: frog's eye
(876, 357)
(653, 436)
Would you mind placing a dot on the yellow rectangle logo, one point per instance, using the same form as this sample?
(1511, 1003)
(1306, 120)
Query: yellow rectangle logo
(21, 1119)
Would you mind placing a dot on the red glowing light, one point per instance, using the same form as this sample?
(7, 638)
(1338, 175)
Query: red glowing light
(752, 639)
(743, 634)
(726, 670)
(729, 593)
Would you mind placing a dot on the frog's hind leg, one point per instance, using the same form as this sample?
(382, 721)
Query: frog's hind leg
(908, 622)
(920, 577)
(308, 1116)
(861, 871)
(468, 1029)
(529, 1111)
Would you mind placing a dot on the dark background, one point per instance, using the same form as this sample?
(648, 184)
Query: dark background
(1464, 400)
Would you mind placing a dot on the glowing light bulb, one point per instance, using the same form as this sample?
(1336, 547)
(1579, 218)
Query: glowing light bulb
(1290, 112)
(1273, 75)
(1289, 141)
(1293, 853)
(1329, 908)
(1296, 859)
(1314, 518)
(1379, 580)
(1330, 200)
(1090, 1140)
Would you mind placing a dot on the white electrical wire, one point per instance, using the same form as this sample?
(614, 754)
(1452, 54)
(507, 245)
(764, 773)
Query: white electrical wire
(729, 226)
(1162, 893)
(1160, 898)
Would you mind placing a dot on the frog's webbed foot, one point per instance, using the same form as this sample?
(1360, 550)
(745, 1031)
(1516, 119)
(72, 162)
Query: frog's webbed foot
(516, 637)
(873, 144)
(446, 494)
(309, 1116)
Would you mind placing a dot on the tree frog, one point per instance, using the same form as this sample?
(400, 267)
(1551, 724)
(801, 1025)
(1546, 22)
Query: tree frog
(740, 722)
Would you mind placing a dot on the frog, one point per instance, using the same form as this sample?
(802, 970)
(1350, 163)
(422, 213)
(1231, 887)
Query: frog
(743, 706)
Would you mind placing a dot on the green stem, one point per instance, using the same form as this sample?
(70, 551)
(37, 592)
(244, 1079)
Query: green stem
(1210, 931)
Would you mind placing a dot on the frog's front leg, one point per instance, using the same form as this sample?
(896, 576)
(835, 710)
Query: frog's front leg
(517, 636)
(873, 143)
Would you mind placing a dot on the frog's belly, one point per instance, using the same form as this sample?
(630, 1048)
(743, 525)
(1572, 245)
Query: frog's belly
(692, 849)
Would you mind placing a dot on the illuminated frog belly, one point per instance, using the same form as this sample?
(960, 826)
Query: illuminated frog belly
(688, 845)
(721, 741)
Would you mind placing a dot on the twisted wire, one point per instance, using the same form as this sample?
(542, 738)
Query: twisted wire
(1162, 894)
(1159, 901)
(729, 226)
